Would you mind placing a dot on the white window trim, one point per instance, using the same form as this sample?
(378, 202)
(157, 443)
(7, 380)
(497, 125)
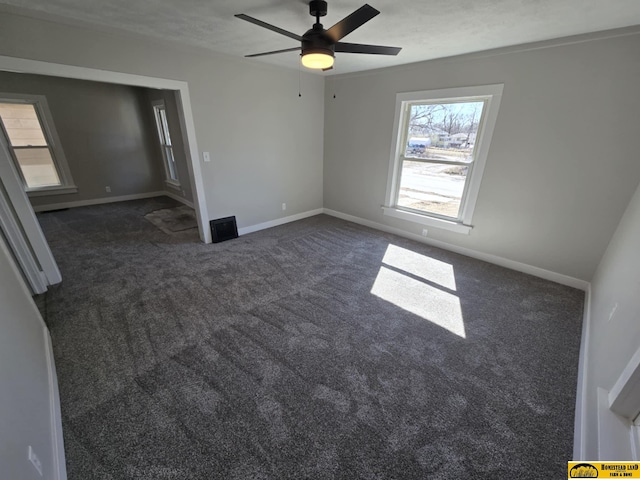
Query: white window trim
(169, 182)
(493, 95)
(59, 159)
(173, 184)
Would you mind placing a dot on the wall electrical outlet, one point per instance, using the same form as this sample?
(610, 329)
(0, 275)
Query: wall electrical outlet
(284, 206)
(35, 461)
(107, 189)
(206, 157)
(424, 232)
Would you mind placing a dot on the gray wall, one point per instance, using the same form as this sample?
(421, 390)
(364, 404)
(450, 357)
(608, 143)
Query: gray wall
(179, 152)
(562, 165)
(25, 414)
(105, 131)
(266, 143)
(613, 342)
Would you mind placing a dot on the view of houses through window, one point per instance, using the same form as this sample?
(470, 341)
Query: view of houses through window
(439, 148)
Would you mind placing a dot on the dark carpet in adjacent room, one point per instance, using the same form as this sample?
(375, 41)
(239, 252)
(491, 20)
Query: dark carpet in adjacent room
(319, 349)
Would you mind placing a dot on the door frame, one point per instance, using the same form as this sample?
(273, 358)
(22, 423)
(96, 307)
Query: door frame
(18, 220)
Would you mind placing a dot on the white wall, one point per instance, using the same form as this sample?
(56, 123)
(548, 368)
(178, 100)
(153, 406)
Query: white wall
(25, 384)
(613, 342)
(562, 165)
(265, 142)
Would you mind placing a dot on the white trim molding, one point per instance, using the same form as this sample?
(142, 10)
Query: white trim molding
(57, 440)
(487, 257)
(121, 198)
(47, 192)
(179, 198)
(624, 396)
(98, 201)
(279, 221)
(19, 245)
(580, 421)
(25, 216)
(615, 433)
(427, 220)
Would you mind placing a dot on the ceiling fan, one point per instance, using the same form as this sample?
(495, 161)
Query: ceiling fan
(318, 46)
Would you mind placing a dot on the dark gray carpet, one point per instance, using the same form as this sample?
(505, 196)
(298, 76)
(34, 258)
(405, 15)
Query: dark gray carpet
(269, 357)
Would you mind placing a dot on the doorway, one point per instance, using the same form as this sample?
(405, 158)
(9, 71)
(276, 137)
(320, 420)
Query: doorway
(184, 113)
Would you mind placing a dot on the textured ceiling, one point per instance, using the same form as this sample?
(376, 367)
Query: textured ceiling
(424, 29)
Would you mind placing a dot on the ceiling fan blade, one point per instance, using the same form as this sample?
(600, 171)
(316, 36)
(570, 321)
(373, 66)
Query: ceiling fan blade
(361, 48)
(268, 26)
(273, 52)
(348, 24)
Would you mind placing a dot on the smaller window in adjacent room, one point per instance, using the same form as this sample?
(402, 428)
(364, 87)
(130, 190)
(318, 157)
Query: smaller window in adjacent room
(441, 141)
(27, 128)
(171, 171)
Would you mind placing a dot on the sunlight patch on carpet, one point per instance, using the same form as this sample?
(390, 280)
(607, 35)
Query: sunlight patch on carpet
(410, 281)
(430, 269)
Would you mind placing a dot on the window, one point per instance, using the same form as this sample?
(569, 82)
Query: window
(441, 141)
(171, 171)
(27, 127)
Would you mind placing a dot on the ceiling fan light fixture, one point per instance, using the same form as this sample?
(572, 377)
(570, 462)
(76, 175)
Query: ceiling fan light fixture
(317, 59)
(318, 45)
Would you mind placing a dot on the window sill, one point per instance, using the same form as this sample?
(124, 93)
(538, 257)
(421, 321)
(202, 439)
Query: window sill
(174, 185)
(425, 220)
(42, 192)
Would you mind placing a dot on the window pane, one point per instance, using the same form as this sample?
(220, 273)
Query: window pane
(171, 163)
(165, 126)
(432, 187)
(443, 131)
(37, 167)
(22, 125)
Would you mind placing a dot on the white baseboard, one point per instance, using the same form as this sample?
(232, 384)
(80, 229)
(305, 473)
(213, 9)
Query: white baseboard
(487, 257)
(179, 198)
(97, 201)
(57, 441)
(279, 221)
(579, 429)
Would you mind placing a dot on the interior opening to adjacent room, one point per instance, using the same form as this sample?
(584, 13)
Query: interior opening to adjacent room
(181, 90)
(439, 150)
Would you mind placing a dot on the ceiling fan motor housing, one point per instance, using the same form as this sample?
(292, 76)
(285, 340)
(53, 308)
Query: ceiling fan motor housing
(317, 8)
(315, 41)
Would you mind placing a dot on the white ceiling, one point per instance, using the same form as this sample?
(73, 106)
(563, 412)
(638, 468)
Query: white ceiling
(424, 30)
